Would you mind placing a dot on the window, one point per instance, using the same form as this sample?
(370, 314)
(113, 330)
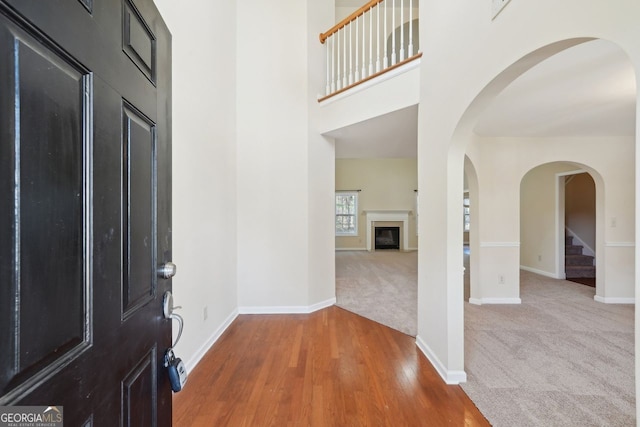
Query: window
(347, 213)
(465, 203)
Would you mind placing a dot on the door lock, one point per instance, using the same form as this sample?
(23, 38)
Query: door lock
(167, 270)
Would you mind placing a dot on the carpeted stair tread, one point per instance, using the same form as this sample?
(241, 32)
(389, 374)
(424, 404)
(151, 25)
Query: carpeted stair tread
(571, 260)
(573, 250)
(580, 271)
(575, 263)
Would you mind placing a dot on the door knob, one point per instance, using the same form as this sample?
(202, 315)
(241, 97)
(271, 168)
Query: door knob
(167, 270)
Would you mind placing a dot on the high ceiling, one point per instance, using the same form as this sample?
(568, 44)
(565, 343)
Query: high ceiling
(587, 90)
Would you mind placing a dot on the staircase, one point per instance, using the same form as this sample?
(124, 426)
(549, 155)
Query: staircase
(575, 263)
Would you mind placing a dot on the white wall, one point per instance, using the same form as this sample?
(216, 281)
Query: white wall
(501, 164)
(321, 160)
(204, 173)
(470, 59)
(279, 159)
(539, 219)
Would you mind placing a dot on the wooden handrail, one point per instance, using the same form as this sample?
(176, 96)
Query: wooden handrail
(370, 4)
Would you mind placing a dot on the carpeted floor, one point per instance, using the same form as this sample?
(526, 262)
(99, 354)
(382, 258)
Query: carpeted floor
(558, 359)
(381, 286)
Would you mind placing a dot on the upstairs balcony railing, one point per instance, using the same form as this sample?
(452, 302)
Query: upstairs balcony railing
(378, 37)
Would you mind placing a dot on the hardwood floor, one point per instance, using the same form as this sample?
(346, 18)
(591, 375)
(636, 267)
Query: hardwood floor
(328, 368)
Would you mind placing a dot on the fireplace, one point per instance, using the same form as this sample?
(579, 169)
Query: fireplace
(387, 237)
(397, 218)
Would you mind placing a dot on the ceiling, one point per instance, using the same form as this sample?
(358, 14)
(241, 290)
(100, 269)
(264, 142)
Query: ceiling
(587, 90)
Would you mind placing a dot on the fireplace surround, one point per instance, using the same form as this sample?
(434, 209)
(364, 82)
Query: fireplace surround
(400, 216)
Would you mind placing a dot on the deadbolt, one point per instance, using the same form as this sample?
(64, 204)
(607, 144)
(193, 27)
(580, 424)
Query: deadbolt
(167, 270)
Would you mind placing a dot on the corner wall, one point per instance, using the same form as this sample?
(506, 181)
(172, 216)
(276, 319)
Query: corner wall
(204, 172)
(284, 168)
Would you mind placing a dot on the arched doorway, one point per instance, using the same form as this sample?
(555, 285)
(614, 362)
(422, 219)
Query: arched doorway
(505, 242)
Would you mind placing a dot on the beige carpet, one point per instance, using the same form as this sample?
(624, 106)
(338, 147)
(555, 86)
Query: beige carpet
(558, 359)
(380, 285)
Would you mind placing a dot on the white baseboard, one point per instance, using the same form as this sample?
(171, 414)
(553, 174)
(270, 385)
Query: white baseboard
(199, 354)
(364, 249)
(541, 272)
(480, 301)
(322, 304)
(449, 377)
(614, 300)
(288, 309)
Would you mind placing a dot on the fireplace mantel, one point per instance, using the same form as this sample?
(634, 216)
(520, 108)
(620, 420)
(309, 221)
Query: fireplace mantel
(387, 215)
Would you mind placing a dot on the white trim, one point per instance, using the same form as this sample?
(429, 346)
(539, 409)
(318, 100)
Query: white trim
(542, 272)
(322, 304)
(574, 172)
(620, 244)
(388, 216)
(449, 377)
(499, 244)
(351, 249)
(199, 354)
(481, 301)
(295, 309)
(614, 300)
(372, 82)
(364, 249)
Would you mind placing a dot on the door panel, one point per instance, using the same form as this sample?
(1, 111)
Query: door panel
(139, 399)
(85, 221)
(45, 208)
(138, 41)
(139, 217)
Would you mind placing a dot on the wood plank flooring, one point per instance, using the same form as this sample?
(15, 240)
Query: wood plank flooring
(328, 368)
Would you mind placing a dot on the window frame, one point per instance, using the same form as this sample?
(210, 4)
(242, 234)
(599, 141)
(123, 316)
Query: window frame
(354, 214)
(466, 213)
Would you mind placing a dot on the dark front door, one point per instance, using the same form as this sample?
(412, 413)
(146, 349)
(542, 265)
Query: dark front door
(85, 218)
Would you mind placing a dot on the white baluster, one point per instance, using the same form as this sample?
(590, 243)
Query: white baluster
(333, 63)
(384, 38)
(344, 57)
(357, 71)
(350, 56)
(378, 38)
(393, 33)
(364, 46)
(370, 41)
(402, 58)
(327, 89)
(338, 69)
(410, 28)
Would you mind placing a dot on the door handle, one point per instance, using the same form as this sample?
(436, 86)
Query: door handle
(167, 312)
(167, 270)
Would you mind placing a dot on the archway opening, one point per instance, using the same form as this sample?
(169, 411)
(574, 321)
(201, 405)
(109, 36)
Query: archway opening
(517, 124)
